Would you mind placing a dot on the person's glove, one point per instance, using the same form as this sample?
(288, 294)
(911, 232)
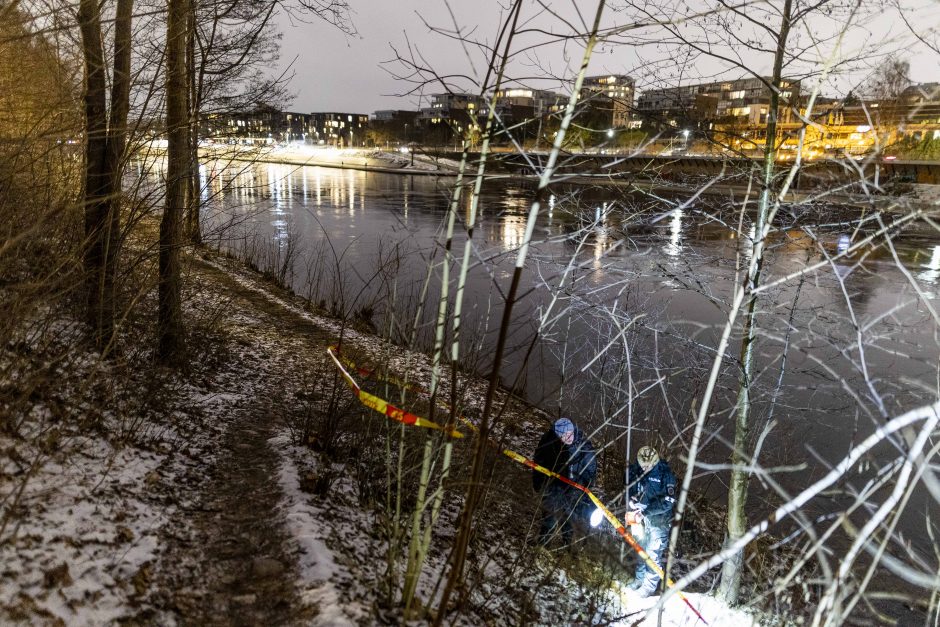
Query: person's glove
(637, 507)
(634, 517)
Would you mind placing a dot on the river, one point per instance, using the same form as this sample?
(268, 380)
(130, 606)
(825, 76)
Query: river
(634, 326)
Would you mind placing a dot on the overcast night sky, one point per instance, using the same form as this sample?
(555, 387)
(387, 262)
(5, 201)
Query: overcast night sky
(334, 71)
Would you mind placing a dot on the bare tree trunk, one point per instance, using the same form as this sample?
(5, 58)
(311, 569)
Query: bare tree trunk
(170, 318)
(193, 105)
(99, 307)
(116, 141)
(740, 457)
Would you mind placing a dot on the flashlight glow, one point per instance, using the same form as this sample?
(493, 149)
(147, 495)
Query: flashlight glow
(637, 532)
(596, 517)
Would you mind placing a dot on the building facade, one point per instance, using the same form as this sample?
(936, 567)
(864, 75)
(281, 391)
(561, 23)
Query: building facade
(267, 125)
(736, 103)
(610, 97)
(338, 129)
(541, 102)
(395, 115)
(263, 125)
(459, 109)
(857, 127)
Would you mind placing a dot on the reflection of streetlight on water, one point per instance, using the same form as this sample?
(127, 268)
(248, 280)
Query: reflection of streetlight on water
(932, 272)
(673, 247)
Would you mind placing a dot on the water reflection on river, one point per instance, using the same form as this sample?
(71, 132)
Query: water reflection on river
(677, 275)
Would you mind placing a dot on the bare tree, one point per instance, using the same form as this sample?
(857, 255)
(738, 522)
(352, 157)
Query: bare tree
(170, 321)
(105, 134)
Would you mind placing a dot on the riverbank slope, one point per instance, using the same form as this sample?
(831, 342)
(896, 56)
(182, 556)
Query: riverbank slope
(251, 487)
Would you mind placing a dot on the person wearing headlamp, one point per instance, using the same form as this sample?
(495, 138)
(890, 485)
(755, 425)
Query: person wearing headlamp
(652, 493)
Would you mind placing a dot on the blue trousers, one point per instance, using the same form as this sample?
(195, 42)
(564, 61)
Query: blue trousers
(655, 543)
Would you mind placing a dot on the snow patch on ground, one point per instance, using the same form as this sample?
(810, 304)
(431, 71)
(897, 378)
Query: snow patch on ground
(675, 612)
(82, 551)
(305, 524)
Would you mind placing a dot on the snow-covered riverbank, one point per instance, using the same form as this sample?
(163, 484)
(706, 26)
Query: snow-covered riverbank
(216, 505)
(367, 159)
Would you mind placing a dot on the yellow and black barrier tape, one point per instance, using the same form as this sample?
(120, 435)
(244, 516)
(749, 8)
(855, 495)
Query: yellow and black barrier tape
(374, 402)
(383, 407)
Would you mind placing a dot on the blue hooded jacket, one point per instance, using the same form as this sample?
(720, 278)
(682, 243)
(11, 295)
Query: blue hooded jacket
(577, 462)
(656, 490)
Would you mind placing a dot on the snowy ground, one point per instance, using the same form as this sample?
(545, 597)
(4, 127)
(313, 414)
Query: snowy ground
(218, 510)
(315, 525)
(82, 509)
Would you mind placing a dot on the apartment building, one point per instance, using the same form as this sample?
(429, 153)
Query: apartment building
(262, 125)
(338, 129)
(741, 102)
(449, 107)
(541, 102)
(610, 96)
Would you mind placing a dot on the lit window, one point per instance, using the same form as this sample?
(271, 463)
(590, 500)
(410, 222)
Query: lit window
(350, 119)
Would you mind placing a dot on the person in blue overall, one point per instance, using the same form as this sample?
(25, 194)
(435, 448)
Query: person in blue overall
(565, 450)
(652, 492)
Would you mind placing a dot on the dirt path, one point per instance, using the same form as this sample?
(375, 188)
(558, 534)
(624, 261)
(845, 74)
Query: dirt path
(230, 561)
(237, 569)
